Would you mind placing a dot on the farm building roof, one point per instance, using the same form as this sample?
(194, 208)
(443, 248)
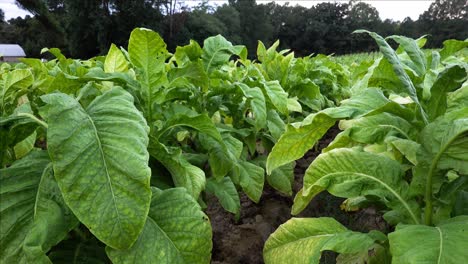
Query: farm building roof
(11, 50)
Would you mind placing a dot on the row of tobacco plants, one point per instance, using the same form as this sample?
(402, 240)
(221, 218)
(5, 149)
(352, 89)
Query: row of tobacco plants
(109, 159)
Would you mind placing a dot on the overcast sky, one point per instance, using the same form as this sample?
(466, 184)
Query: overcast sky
(396, 10)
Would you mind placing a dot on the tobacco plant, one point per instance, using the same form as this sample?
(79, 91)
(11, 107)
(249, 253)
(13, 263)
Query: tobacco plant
(403, 149)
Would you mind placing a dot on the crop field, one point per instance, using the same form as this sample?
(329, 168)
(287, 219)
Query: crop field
(206, 156)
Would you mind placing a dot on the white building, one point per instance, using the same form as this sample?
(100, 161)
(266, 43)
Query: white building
(11, 52)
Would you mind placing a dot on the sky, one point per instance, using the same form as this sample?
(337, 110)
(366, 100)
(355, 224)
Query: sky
(388, 9)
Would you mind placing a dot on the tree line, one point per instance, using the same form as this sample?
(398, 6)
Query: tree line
(85, 28)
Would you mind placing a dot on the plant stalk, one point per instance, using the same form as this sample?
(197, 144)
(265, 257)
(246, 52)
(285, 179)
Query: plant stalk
(35, 119)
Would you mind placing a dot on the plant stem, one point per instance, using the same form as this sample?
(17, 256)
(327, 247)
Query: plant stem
(35, 119)
(428, 196)
(432, 170)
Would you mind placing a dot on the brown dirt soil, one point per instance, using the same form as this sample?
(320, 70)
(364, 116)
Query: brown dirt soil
(242, 241)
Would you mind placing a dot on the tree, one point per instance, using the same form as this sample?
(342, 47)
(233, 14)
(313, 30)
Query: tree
(202, 24)
(447, 10)
(127, 15)
(2, 16)
(255, 23)
(445, 19)
(231, 19)
(328, 29)
(362, 16)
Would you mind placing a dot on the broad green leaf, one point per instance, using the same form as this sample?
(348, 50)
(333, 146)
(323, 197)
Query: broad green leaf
(410, 46)
(183, 173)
(445, 243)
(100, 161)
(202, 123)
(375, 128)
(226, 192)
(147, 52)
(19, 186)
(233, 145)
(275, 124)
(187, 76)
(446, 141)
(25, 146)
(14, 84)
(15, 128)
(392, 57)
(187, 53)
(408, 148)
(447, 81)
(349, 173)
(293, 105)
(220, 157)
(176, 231)
(397, 66)
(52, 220)
(452, 46)
(251, 178)
(295, 142)
(458, 99)
(115, 60)
(281, 178)
(363, 103)
(56, 52)
(257, 104)
(302, 240)
(277, 95)
(217, 51)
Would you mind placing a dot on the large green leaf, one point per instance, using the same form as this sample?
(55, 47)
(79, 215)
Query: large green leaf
(257, 104)
(302, 240)
(251, 178)
(444, 144)
(221, 157)
(217, 51)
(176, 231)
(115, 60)
(299, 138)
(33, 214)
(281, 178)
(25, 146)
(187, 53)
(397, 66)
(277, 95)
(16, 128)
(445, 243)
(18, 190)
(295, 142)
(447, 81)
(350, 173)
(202, 123)
(147, 52)
(226, 192)
(13, 85)
(452, 46)
(410, 46)
(183, 173)
(100, 162)
(458, 99)
(52, 220)
(375, 128)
